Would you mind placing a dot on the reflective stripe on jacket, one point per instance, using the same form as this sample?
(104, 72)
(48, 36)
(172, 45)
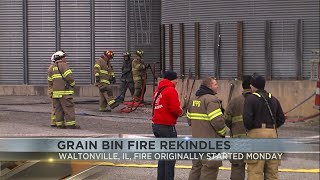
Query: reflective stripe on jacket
(206, 118)
(60, 86)
(103, 69)
(233, 116)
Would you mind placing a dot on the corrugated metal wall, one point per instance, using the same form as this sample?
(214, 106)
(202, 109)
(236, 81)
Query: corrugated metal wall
(11, 42)
(41, 39)
(228, 50)
(145, 32)
(189, 52)
(75, 37)
(207, 67)
(311, 33)
(283, 49)
(253, 47)
(110, 26)
(84, 29)
(176, 48)
(283, 15)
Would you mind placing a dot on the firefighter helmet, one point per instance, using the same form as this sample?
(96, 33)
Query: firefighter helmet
(126, 54)
(139, 53)
(52, 57)
(109, 54)
(58, 55)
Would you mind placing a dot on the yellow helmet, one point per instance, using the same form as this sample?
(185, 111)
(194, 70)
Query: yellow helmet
(139, 53)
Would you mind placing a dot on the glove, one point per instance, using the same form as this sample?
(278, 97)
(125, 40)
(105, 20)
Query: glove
(97, 79)
(113, 80)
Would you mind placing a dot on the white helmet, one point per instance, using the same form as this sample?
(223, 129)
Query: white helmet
(52, 57)
(58, 55)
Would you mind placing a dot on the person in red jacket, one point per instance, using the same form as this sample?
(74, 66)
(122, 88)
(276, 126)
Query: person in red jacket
(166, 110)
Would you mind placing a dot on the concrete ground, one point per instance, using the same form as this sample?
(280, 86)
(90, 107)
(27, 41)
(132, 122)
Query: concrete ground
(29, 116)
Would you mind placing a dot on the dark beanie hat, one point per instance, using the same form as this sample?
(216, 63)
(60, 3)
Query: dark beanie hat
(246, 80)
(170, 75)
(258, 82)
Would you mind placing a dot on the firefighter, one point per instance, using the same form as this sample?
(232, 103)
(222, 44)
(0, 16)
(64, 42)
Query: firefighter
(206, 117)
(262, 116)
(234, 120)
(60, 78)
(138, 74)
(126, 77)
(104, 76)
(53, 111)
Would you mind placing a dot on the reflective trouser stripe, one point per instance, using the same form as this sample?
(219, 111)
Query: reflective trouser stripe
(59, 123)
(59, 94)
(70, 123)
(111, 102)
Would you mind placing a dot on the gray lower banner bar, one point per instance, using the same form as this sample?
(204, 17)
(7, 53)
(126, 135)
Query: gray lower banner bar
(155, 145)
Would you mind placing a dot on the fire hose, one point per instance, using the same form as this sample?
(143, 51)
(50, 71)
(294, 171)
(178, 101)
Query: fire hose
(303, 118)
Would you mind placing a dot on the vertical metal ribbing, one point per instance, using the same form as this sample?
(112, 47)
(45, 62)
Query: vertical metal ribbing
(182, 72)
(92, 38)
(267, 50)
(163, 48)
(217, 50)
(58, 26)
(25, 41)
(170, 47)
(197, 50)
(299, 48)
(239, 49)
(128, 25)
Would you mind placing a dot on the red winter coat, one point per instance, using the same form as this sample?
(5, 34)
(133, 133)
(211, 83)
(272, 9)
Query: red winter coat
(167, 106)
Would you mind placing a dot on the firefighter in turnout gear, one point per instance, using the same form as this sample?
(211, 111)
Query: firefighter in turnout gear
(206, 116)
(126, 77)
(53, 111)
(104, 76)
(262, 116)
(138, 73)
(234, 120)
(60, 79)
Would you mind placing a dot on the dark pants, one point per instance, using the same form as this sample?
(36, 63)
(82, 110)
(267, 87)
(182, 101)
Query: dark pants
(238, 170)
(165, 168)
(123, 88)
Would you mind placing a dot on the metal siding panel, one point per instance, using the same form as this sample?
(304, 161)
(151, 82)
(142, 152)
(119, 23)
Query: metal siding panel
(176, 48)
(207, 67)
(311, 41)
(167, 47)
(41, 39)
(110, 31)
(75, 37)
(283, 49)
(207, 11)
(189, 52)
(11, 42)
(228, 50)
(145, 17)
(253, 48)
(176, 11)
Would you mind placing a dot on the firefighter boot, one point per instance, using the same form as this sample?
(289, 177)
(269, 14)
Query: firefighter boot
(114, 104)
